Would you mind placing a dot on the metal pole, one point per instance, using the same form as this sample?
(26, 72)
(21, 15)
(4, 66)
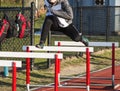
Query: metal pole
(77, 14)
(81, 20)
(23, 6)
(32, 30)
(108, 23)
(49, 43)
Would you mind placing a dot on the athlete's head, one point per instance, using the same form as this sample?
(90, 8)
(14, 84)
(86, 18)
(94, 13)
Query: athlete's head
(53, 1)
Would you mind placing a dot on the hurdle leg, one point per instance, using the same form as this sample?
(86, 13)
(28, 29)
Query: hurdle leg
(113, 64)
(56, 73)
(14, 77)
(59, 44)
(59, 72)
(87, 69)
(28, 71)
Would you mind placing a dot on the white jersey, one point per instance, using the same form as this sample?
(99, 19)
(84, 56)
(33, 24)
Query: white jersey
(62, 21)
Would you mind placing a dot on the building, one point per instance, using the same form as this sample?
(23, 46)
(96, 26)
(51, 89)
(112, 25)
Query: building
(96, 16)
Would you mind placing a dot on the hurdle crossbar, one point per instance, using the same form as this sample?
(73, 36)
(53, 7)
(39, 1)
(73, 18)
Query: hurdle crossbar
(30, 55)
(60, 48)
(72, 43)
(8, 63)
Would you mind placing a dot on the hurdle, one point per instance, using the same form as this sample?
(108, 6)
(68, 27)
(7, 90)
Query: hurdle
(67, 49)
(13, 64)
(94, 44)
(29, 55)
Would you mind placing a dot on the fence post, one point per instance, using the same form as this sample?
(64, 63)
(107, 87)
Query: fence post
(32, 31)
(23, 3)
(49, 43)
(108, 23)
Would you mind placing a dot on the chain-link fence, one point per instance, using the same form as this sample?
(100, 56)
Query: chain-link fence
(98, 20)
(14, 43)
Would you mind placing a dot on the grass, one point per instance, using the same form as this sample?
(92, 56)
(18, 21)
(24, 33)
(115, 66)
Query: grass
(39, 21)
(10, 3)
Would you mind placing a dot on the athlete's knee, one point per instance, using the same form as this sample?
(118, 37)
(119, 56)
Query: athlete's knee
(77, 39)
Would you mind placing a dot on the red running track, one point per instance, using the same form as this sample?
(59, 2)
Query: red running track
(99, 82)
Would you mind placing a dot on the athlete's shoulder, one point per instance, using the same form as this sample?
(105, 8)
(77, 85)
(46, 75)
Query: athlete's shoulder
(64, 1)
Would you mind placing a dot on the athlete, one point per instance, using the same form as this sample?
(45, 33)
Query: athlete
(59, 17)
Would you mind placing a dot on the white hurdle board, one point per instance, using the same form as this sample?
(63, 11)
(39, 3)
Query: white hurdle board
(107, 44)
(30, 55)
(72, 43)
(69, 43)
(60, 48)
(8, 63)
